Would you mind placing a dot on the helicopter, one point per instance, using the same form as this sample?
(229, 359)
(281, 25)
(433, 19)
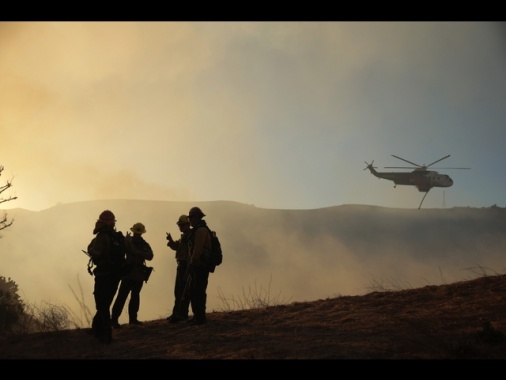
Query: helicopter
(421, 177)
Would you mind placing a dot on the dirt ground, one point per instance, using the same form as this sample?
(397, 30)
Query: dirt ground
(464, 320)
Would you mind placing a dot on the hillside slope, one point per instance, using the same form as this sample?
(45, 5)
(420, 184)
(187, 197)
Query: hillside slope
(463, 320)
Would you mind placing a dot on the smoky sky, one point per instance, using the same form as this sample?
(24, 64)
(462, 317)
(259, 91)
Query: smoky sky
(279, 115)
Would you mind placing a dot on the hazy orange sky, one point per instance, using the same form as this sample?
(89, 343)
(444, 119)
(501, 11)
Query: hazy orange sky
(276, 114)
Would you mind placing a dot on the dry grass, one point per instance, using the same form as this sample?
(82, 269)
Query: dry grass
(251, 298)
(464, 320)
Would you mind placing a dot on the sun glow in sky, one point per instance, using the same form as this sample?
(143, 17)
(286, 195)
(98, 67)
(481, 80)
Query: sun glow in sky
(277, 114)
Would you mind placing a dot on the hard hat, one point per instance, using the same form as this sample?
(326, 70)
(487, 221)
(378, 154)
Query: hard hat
(138, 228)
(183, 219)
(196, 211)
(107, 217)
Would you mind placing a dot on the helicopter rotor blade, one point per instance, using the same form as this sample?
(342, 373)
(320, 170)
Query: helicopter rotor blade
(441, 159)
(423, 167)
(409, 162)
(410, 167)
(450, 168)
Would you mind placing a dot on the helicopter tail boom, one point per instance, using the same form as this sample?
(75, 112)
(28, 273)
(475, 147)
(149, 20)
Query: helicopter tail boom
(397, 178)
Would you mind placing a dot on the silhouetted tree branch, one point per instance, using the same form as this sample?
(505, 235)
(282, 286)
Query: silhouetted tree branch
(4, 221)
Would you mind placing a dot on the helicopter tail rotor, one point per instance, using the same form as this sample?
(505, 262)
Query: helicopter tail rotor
(370, 165)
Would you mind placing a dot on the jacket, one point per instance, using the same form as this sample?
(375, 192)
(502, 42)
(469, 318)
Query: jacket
(107, 249)
(181, 247)
(138, 251)
(199, 242)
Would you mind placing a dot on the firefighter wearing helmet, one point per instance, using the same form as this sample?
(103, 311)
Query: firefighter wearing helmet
(107, 251)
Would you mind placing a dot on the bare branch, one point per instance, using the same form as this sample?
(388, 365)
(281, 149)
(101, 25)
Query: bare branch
(2, 200)
(4, 222)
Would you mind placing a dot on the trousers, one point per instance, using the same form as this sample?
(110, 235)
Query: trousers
(200, 278)
(132, 287)
(181, 306)
(104, 290)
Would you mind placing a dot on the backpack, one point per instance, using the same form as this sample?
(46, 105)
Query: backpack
(215, 256)
(117, 260)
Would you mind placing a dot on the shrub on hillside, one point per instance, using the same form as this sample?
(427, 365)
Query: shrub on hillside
(12, 308)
